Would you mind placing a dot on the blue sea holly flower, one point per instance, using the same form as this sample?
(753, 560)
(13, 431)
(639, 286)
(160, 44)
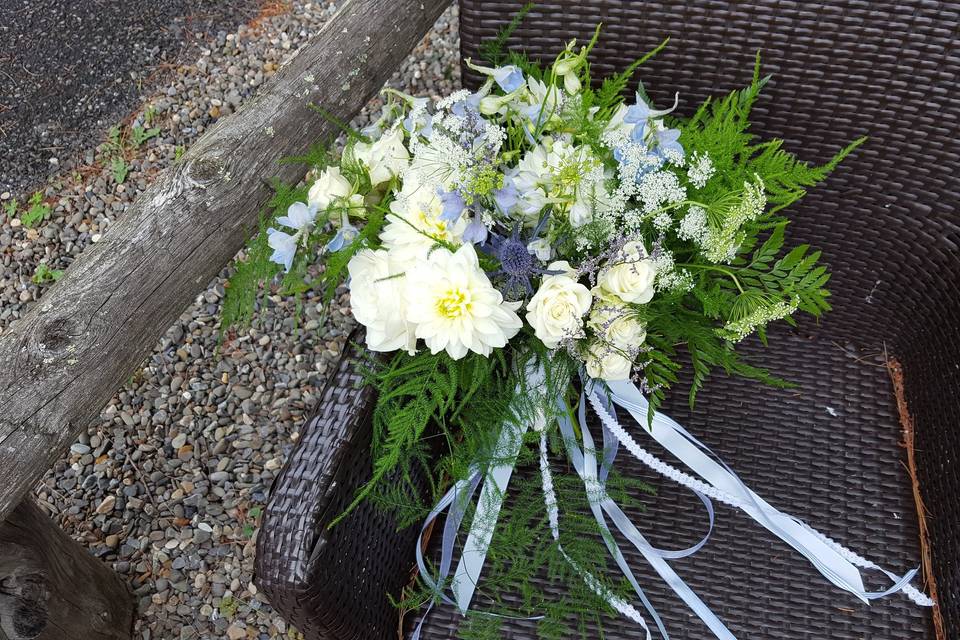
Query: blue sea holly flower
(476, 232)
(453, 205)
(284, 247)
(344, 236)
(510, 78)
(299, 216)
(517, 264)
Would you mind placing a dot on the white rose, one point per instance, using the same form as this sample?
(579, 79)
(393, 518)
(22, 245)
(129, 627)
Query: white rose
(385, 158)
(376, 302)
(629, 275)
(604, 363)
(616, 325)
(328, 187)
(556, 310)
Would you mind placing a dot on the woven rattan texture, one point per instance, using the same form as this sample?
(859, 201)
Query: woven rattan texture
(332, 583)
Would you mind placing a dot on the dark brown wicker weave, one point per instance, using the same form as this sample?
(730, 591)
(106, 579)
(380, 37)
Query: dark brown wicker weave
(828, 451)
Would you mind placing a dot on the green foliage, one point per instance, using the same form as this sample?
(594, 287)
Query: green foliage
(10, 207)
(120, 145)
(37, 211)
(228, 607)
(610, 94)
(492, 51)
(119, 169)
(733, 296)
(796, 274)
(44, 274)
(425, 399)
(344, 127)
(256, 269)
(139, 135)
(317, 157)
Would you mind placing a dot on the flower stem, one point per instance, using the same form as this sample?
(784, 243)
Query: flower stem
(710, 267)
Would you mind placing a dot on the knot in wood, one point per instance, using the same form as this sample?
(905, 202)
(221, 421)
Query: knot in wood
(55, 336)
(205, 170)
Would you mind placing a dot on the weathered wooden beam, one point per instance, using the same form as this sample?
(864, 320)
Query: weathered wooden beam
(62, 362)
(52, 589)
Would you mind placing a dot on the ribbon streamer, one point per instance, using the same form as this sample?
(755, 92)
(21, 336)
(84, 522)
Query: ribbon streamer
(716, 481)
(835, 562)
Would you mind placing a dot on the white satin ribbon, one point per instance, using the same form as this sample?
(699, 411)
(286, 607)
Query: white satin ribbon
(467, 575)
(835, 562)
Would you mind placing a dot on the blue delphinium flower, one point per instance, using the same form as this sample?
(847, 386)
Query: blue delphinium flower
(344, 236)
(667, 142)
(476, 232)
(507, 196)
(453, 205)
(423, 123)
(284, 247)
(469, 104)
(510, 78)
(300, 217)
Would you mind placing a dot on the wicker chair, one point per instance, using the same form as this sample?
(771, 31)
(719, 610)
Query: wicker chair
(829, 451)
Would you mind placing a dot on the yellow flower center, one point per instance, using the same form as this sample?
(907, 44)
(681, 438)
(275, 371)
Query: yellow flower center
(453, 304)
(432, 225)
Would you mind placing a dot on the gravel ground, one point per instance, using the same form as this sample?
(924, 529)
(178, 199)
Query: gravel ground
(69, 70)
(168, 485)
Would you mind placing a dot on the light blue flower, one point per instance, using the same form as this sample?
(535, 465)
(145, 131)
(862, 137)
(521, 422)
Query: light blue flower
(299, 216)
(424, 121)
(667, 141)
(476, 232)
(284, 247)
(510, 78)
(470, 103)
(506, 197)
(453, 205)
(640, 113)
(344, 236)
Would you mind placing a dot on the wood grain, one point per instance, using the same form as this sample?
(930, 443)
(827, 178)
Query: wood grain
(52, 589)
(63, 361)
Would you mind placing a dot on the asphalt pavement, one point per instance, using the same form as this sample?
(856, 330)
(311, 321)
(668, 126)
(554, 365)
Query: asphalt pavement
(70, 69)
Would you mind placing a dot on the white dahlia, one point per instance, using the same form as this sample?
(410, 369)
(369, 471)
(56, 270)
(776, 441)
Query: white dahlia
(376, 280)
(455, 308)
(415, 224)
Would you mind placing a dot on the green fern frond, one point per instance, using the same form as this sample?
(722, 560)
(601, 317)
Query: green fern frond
(492, 51)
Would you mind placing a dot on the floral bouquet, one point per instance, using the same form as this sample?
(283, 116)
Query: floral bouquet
(534, 258)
